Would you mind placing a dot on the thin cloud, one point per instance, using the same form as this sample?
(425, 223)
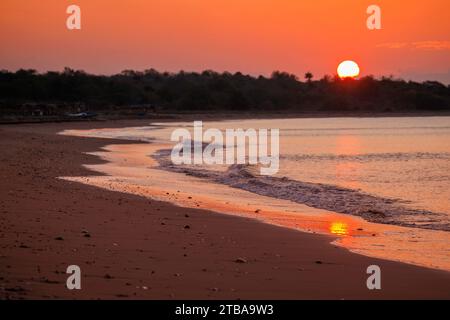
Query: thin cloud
(393, 45)
(418, 45)
(432, 45)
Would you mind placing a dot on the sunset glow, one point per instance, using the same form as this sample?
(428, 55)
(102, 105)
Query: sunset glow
(254, 37)
(184, 152)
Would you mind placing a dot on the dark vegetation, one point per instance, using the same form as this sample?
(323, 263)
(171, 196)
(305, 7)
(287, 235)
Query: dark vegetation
(58, 93)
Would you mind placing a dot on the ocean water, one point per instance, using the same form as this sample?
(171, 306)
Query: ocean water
(379, 184)
(404, 158)
(397, 168)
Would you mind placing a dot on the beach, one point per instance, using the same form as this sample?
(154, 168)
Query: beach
(133, 247)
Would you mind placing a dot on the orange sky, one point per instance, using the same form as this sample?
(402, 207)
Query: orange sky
(252, 36)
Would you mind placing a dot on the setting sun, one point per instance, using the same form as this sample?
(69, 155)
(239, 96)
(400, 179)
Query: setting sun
(348, 69)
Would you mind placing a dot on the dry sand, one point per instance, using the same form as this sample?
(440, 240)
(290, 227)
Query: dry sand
(129, 247)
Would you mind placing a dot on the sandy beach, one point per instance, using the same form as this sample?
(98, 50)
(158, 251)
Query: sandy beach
(131, 247)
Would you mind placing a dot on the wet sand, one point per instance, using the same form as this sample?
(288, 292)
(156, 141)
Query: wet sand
(130, 247)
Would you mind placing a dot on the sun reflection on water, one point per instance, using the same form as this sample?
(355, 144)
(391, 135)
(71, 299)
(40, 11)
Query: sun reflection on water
(339, 228)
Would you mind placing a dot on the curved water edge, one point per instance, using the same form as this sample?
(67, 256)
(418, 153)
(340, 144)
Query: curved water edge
(416, 234)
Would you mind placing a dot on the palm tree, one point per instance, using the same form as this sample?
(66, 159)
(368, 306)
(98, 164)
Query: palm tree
(309, 76)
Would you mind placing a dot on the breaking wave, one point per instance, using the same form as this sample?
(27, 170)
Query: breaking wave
(321, 196)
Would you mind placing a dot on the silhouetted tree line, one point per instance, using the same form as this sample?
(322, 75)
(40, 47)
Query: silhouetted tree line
(209, 91)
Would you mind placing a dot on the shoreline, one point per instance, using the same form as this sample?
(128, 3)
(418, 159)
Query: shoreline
(140, 248)
(129, 169)
(180, 116)
(137, 169)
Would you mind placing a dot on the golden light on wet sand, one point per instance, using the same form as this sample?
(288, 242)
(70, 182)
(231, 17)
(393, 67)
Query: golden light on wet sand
(339, 228)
